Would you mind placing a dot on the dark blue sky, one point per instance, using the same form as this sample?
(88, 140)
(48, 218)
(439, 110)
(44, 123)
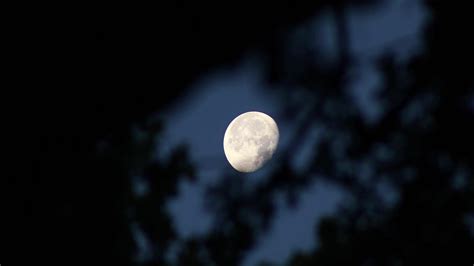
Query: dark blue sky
(227, 92)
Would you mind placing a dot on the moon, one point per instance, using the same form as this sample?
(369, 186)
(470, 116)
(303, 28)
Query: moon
(250, 141)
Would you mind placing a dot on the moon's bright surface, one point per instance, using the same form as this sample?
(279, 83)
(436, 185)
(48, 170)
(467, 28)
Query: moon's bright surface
(250, 141)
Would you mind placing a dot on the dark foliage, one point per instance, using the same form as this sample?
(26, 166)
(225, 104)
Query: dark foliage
(139, 60)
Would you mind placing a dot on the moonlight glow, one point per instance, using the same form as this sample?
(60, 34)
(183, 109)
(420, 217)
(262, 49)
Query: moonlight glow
(250, 140)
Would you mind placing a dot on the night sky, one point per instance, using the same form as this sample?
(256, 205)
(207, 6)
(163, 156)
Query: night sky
(228, 92)
(375, 113)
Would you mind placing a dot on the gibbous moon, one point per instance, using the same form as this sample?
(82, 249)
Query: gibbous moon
(250, 141)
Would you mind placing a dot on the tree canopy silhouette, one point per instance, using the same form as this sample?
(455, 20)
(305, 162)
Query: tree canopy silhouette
(140, 60)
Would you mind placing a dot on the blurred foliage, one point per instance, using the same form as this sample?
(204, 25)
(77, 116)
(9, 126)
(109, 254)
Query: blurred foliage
(421, 147)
